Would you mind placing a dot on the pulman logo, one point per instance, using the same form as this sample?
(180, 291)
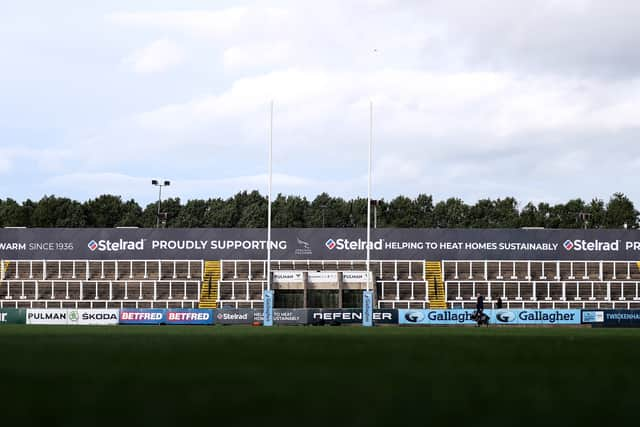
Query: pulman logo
(568, 245)
(505, 316)
(331, 244)
(93, 245)
(414, 316)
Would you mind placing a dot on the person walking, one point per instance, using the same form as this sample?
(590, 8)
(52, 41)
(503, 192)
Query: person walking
(499, 303)
(480, 304)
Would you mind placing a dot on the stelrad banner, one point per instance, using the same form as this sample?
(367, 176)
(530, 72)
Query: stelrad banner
(186, 316)
(52, 316)
(318, 244)
(496, 317)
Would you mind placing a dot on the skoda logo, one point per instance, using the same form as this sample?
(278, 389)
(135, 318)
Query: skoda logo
(505, 316)
(414, 316)
(73, 316)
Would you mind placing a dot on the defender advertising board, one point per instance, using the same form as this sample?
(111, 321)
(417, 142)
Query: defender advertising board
(496, 317)
(350, 316)
(319, 244)
(13, 316)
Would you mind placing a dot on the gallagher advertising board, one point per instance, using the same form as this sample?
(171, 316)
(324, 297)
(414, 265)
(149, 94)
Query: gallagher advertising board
(496, 317)
(318, 244)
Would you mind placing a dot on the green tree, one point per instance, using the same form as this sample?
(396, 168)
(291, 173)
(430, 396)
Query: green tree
(620, 211)
(51, 211)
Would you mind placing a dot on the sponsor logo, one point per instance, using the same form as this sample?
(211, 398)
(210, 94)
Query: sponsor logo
(593, 316)
(135, 315)
(116, 246)
(232, 316)
(73, 315)
(47, 315)
(349, 316)
(3, 317)
(505, 316)
(353, 245)
(414, 316)
(303, 248)
(579, 245)
(180, 316)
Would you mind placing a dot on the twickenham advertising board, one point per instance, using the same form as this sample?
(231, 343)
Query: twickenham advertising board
(319, 244)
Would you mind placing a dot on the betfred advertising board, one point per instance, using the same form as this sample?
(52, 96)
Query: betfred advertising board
(13, 316)
(187, 316)
(142, 316)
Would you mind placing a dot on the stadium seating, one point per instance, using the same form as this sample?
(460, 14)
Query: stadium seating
(241, 283)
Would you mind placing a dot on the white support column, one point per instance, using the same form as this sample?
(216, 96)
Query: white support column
(410, 276)
(140, 296)
(592, 297)
(499, 276)
(155, 290)
(130, 270)
(66, 295)
(528, 270)
(247, 291)
(44, 269)
(397, 290)
(489, 291)
(486, 270)
(542, 273)
(175, 276)
(614, 271)
(23, 296)
(36, 289)
(250, 273)
(81, 290)
(548, 297)
(557, 270)
(628, 270)
(600, 273)
(126, 289)
(184, 290)
(110, 290)
(59, 269)
(636, 297)
(459, 297)
(170, 289)
(17, 265)
(513, 271)
(504, 290)
(235, 269)
(456, 276)
(622, 298)
(382, 289)
(159, 270)
(608, 291)
(87, 273)
(519, 297)
(471, 270)
(189, 269)
(571, 276)
(116, 265)
(586, 271)
(233, 289)
(97, 297)
(52, 286)
(102, 269)
(30, 269)
(564, 291)
(395, 270)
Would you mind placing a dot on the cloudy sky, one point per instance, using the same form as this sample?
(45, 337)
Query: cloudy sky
(472, 99)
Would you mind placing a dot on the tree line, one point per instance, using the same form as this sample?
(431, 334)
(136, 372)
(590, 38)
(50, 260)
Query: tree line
(249, 210)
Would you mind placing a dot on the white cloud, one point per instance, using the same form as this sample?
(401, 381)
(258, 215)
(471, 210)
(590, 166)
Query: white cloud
(157, 57)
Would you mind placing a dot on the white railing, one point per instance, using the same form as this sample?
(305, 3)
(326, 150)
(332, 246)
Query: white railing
(98, 304)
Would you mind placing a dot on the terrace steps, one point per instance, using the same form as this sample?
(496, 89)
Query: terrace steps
(209, 290)
(433, 274)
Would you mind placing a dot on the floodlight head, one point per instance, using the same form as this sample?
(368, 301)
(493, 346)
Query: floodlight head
(154, 182)
(167, 183)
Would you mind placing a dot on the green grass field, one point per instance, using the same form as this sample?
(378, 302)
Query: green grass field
(316, 376)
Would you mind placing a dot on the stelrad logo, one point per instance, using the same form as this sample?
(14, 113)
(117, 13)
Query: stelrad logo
(93, 245)
(579, 245)
(116, 246)
(331, 244)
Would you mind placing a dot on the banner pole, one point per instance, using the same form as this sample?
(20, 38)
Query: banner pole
(268, 294)
(367, 296)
